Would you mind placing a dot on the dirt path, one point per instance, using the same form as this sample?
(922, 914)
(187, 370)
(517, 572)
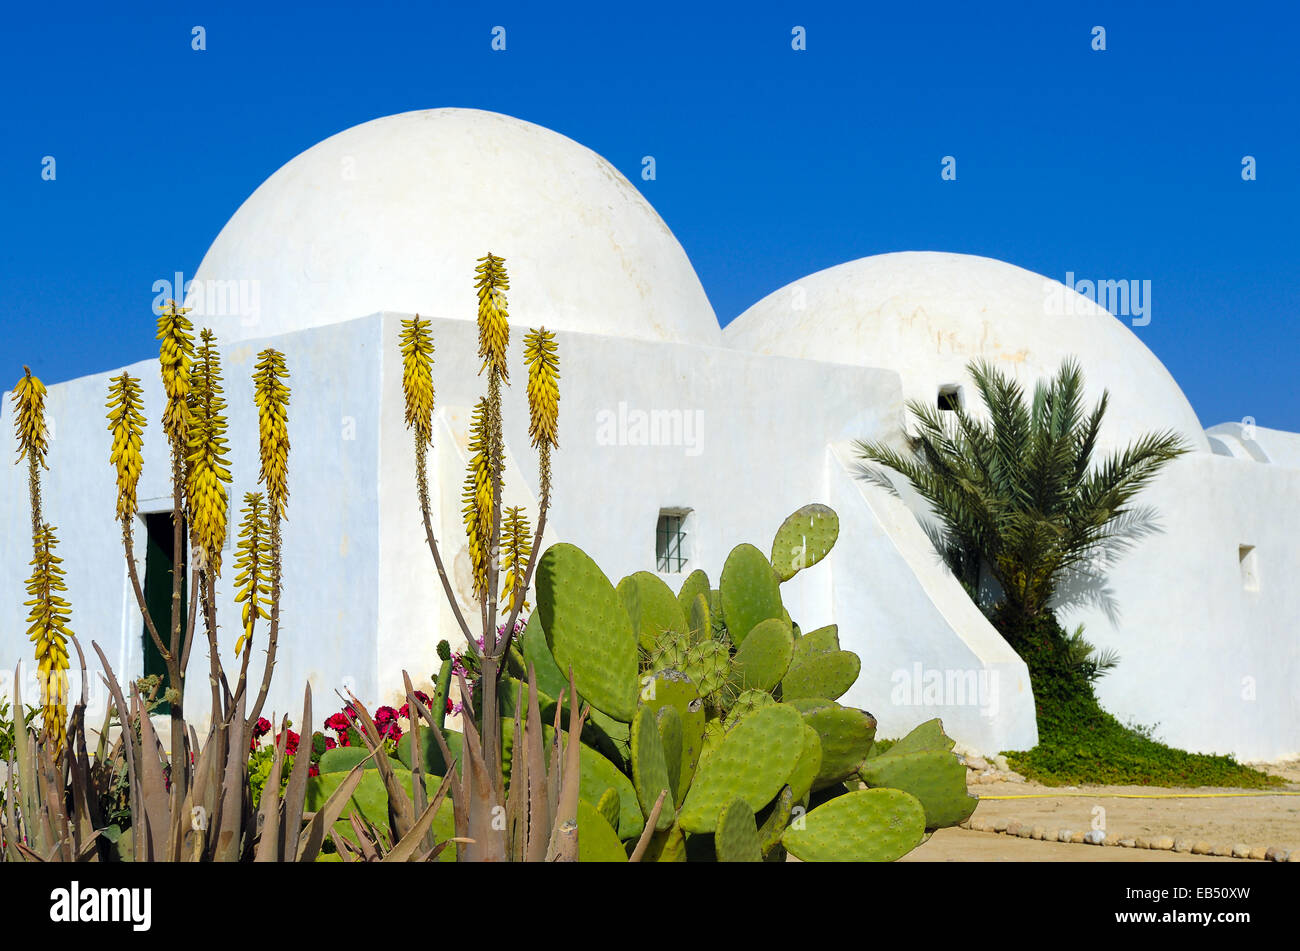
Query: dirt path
(1253, 821)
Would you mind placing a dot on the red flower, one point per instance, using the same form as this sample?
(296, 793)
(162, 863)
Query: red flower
(385, 715)
(450, 706)
(405, 712)
(313, 770)
(262, 728)
(329, 743)
(339, 723)
(291, 746)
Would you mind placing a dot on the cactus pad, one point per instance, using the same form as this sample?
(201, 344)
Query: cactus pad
(777, 818)
(700, 619)
(608, 807)
(650, 767)
(668, 650)
(747, 702)
(804, 539)
(342, 758)
(671, 688)
(869, 825)
(709, 666)
(587, 628)
(750, 591)
(651, 606)
(935, 777)
(826, 674)
(597, 841)
(752, 763)
(696, 584)
(928, 736)
(764, 656)
(736, 838)
(808, 766)
(846, 737)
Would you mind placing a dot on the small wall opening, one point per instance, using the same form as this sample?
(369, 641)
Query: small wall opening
(949, 399)
(159, 564)
(1249, 568)
(672, 542)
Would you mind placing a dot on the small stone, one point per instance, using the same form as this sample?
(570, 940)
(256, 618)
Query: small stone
(986, 778)
(978, 825)
(1182, 845)
(1270, 855)
(1000, 825)
(1025, 832)
(1000, 762)
(1094, 837)
(1037, 832)
(1293, 855)
(1143, 842)
(1128, 843)
(1202, 848)
(978, 763)
(1165, 844)
(1258, 854)
(1241, 851)
(1077, 838)
(1013, 827)
(1014, 777)
(1063, 835)
(1223, 851)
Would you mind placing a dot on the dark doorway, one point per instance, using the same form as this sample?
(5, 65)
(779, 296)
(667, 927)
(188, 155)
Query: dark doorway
(159, 563)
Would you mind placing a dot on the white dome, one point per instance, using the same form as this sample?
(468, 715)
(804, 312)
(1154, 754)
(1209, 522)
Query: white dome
(927, 314)
(391, 215)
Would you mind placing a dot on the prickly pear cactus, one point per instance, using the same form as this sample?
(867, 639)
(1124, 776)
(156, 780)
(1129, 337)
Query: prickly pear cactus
(587, 628)
(750, 591)
(870, 825)
(764, 656)
(668, 650)
(651, 605)
(752, 763)
(804, 539)
(736, 838)
(696, 584)
(709, 666)
(715, 696)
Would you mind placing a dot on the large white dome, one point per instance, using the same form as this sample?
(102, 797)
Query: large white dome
(927, 314)
(392, 215)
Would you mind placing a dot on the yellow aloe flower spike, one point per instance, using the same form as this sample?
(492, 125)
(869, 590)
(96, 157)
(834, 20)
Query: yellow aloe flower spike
(477, 498)
(253, 562)
(126, 422)
(29, 418)
(176, 358)
(417, 377)
(48, 628)
(208, 468)
(493, 317)
(516, 547)
(272, 398)
(541, 355)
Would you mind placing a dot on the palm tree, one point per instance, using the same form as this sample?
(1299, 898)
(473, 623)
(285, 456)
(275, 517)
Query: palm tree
(1019, 494)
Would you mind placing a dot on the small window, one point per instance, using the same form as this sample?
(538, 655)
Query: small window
(1249, 572)
(950, 397)
(159, 564)
(671, 554)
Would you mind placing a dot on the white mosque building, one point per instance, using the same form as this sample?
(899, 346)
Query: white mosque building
(670, 427)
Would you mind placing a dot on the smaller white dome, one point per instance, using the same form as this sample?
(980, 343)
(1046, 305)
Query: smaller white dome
(927, 314)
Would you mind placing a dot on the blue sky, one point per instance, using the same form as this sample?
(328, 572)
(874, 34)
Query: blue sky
(771, 163)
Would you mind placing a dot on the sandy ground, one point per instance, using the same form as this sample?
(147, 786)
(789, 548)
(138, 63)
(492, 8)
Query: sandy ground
(1249, 820)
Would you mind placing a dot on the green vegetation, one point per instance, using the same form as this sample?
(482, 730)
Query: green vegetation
(1020, 500)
